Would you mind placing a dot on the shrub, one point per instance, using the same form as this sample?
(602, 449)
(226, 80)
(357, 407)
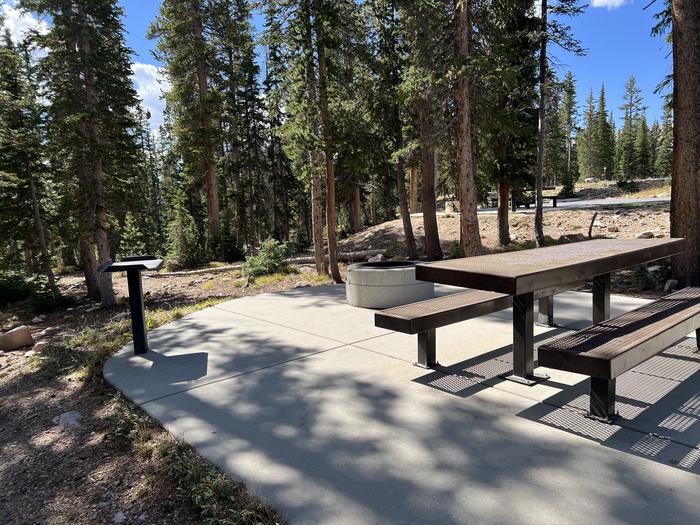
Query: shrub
(43, 298)
(184, 248)
(14, 286)
(269, 259)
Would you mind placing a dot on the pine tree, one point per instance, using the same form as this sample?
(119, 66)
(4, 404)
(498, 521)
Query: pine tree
(603, 139)
(664, 156)
(181, 28)
(87, 78)
(586, 141)
(632, 110)
(642, 150)
(569, 124)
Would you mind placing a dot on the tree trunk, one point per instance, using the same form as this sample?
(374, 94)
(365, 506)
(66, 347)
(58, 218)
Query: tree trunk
(45, 258)
(89, 265)
(539, 174)
(373, 200)
(685, 186)
(427, 168)
(503, 226)
(92, 172)
(410, 239)
(316, 189)
(328, 150)
(208, 147)
(413, 181)
(356, 210)
(470, 237)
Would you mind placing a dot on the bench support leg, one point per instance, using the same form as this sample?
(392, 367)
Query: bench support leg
(426, 349)
(697, 339)
(601, 298)
(603, 398)
(524, 342)
(545, 311)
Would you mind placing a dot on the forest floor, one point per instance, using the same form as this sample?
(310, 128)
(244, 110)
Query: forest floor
(116, 465)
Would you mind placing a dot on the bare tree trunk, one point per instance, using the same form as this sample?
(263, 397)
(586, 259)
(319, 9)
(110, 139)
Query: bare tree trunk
(94, 175)
(373, 200)
(427, 166)
(208, 152)
(411, 249)
(539, 174)
(316, 188)
(328, 151)
(503, 225)
(413, 181)
(45, 258)
(470, 236)
(685, 186)
(356, 210)
(89, 265)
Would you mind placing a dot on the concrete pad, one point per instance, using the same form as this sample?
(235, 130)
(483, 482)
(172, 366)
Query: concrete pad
(330, 432)
(347, 437)
(202, 347)
(318, 310)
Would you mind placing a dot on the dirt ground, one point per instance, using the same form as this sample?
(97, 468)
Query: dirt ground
(116, 466)
(623, 222)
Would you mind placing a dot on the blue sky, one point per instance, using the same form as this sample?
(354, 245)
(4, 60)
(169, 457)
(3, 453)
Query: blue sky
(615, 32)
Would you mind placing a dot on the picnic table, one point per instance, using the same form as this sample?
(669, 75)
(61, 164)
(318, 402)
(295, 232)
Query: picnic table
(545, 272)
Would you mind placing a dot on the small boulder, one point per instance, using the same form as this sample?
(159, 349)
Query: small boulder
(16, 338)
(613, 229)
(645, 235)
(68, 419)
(377, 258)
(49, 331)
(301, 284)
(120, 316)
(40, 346)
(29, 353)
(37, 319)
(119, 517)
(670, 285)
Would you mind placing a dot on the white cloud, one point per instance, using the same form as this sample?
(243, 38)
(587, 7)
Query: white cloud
(608, 4)
(19, 22)
(150, 83)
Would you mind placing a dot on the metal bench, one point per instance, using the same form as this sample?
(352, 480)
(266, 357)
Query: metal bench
(424, 317)
(608, 349)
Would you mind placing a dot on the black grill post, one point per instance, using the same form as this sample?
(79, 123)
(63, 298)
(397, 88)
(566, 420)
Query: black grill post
(138, 315)
(133, 266)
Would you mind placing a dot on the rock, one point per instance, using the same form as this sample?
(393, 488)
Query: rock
(653, 269)
(588, 180)
(16, 338)
(142, 517)
(49, 331)
(670, 285)
(377, 258)
(119, 517)
(37, 319)
(94, 308)
(68, 419)
(29, 353)
(69, 309)
(573, 237)
(645, 235)
(40, 346)
(613, 229)
(660, 235)
(301, 284)
(120, 316)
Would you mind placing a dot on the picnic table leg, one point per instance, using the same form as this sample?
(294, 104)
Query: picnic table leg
(524, 342)
(426, 349)
(601, 298)
(545, 311)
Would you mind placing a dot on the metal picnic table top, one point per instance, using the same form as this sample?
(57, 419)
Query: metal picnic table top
(525, 271)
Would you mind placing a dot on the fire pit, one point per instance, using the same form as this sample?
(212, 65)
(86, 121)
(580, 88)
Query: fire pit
(385, 284)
